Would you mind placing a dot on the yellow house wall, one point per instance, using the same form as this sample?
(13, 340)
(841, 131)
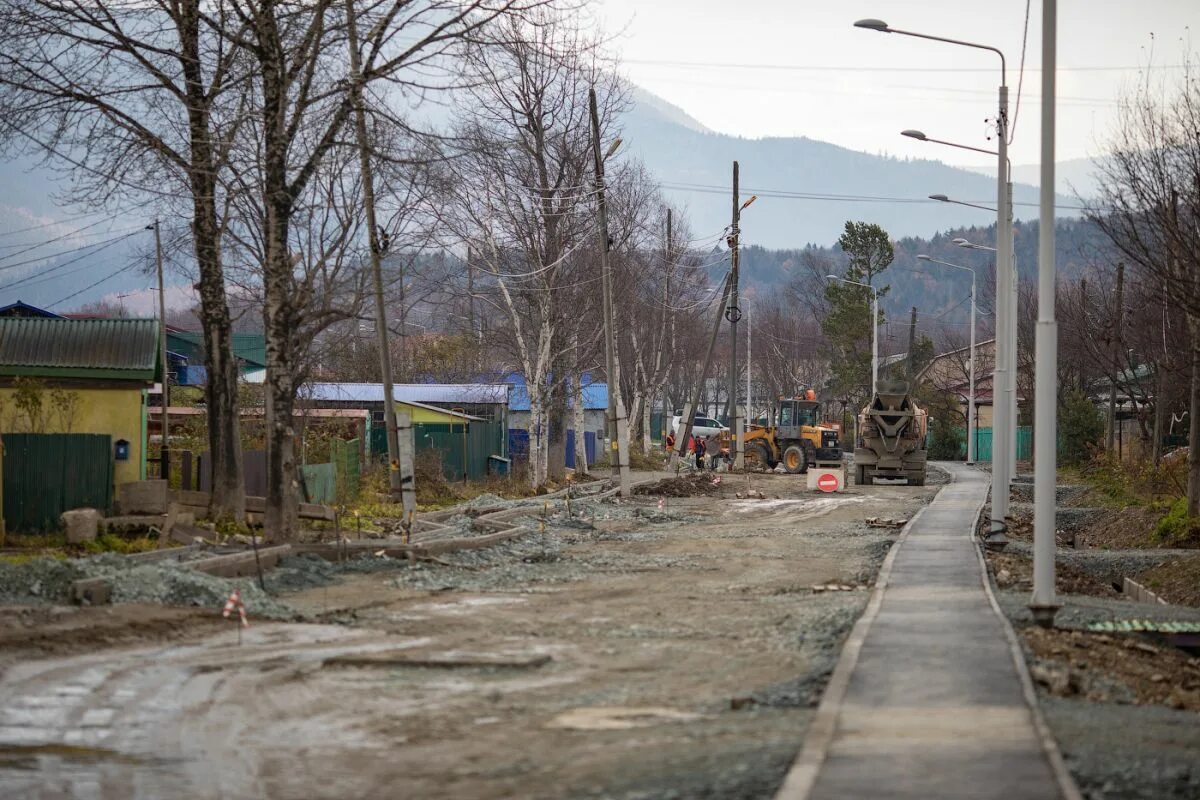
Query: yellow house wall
(426, 415)
(116, 412)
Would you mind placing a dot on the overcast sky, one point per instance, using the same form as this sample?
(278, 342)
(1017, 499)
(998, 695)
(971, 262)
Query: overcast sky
(805, 71)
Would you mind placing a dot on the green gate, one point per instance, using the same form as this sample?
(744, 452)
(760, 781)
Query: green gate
(46, 474)
(463, 448)
(983, 443)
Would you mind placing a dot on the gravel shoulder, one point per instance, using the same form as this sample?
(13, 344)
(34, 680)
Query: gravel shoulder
(626, 652)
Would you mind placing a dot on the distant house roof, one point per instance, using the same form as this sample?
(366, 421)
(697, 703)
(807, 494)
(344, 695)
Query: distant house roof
(23, 309)
(250, 348)
(595, 394)
(430, 393)
(123, 349)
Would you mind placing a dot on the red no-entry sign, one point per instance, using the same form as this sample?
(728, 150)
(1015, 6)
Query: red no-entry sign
(828, 482)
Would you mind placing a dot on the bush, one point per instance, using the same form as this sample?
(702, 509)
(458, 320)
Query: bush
(947, 440)
(1080, 427)
(1177, 528)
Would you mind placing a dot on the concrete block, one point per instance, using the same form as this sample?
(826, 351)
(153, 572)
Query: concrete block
(82, 525)
(91, 591)
(143, 497)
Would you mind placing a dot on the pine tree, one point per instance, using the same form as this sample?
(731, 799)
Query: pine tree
(847, 323)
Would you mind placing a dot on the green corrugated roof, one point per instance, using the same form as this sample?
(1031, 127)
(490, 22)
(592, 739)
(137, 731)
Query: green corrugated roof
(80, 348)
(249, 347)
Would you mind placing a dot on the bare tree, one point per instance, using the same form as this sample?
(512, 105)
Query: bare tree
(1149, 207)
(304, 97)
(139, 101)
(524, 201)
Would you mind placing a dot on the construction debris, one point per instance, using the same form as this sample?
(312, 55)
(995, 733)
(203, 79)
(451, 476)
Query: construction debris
(696, 484)
(885, 522)
(406, 658)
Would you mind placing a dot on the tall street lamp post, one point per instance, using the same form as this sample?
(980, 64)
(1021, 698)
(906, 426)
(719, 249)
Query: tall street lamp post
(1044, 603)
(971, 422)
(1012, 440)
(996, 537)
(874, 329)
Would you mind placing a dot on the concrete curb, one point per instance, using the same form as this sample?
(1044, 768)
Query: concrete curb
(1066, 784)
(803, 774)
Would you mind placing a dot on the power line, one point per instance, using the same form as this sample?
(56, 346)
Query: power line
(845, 198)
(94, 285)
(52, 224)
(28, 246)
(857, 68)
(1012, 130)
(100, 245)
(41, 276)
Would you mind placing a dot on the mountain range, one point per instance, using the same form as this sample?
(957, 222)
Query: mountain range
(806, 189)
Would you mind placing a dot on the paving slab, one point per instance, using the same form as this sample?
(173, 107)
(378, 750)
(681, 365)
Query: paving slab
(927, 700)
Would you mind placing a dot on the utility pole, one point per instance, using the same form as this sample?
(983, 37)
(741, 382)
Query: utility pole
(165, 450)
(1083, 295)
(689, 408)
(912, 342)
(733, 314)
(397, 483)
(1118, 320)
(749, 370)
(618, 426)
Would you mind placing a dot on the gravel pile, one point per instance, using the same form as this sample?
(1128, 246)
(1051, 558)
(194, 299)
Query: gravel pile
(49, 581)
(42, 580)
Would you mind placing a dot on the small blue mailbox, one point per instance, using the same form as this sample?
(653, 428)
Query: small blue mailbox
(122, 450)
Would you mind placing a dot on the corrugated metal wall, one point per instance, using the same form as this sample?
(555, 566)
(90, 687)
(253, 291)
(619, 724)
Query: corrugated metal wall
(46, 474)
(480, 441)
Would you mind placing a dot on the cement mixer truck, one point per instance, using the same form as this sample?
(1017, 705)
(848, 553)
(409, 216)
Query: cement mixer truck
(891, 437)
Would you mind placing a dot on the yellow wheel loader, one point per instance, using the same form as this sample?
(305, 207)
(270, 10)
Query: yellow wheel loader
(793, 437)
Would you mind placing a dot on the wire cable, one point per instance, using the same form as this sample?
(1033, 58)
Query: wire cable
(107, 277)
(100, 245)
(1020, 78)
(28, 279)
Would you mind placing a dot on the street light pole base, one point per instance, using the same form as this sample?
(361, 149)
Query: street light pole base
(1043, 615)
(995, 541)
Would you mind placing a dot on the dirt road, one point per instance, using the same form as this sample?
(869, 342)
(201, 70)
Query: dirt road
(631, 659)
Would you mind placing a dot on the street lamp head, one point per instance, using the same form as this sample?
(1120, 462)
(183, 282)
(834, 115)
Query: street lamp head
(910, 133)
(924, 257)
(961, 242)
(612, 148)
(833, 277)
(873, 25)
(941, 198)
(746, 204)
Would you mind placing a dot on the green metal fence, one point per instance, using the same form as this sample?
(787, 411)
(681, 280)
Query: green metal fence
(320, 483)
(46, 474)
(983, 443)
(481, 441)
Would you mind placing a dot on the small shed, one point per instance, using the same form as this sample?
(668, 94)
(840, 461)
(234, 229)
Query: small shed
(81, 376)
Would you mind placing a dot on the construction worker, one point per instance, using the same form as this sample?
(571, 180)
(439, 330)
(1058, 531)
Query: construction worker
(713, 448)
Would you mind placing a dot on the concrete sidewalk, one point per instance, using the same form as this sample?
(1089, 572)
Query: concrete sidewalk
(926, 700)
